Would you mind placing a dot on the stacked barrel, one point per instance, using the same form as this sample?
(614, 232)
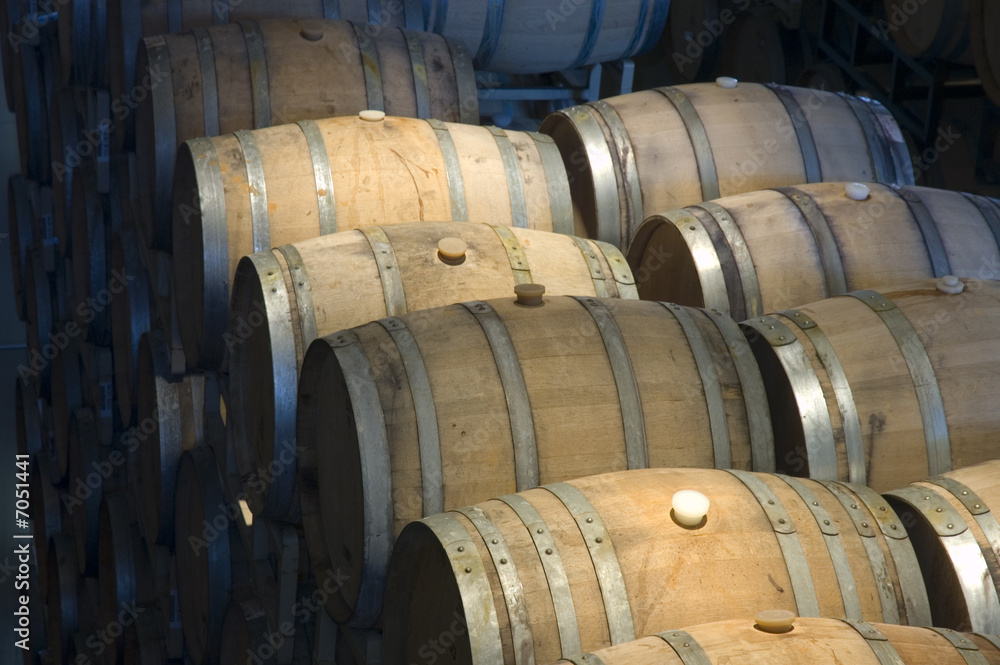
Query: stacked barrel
(323, 371)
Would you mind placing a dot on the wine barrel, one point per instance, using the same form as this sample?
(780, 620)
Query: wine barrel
(524, 37)
(758, 47)
(45, 295)
(168, 610)
(61, 610)
(732, 254)
(98, 389)
(47, 515)
(984, 20)
(247, 636)
(432, 264)
(128, 23)
(83, 40)
(269, 72)
(574, 387)
(67, 397)
(210, 560)
(124, 572)
(130, 318)
(381, 171)
(36, 592)
(65, 131)
(715, 141)
(957, 540)
(169, 420)
(10, 24)
(88, 476)
(143, 643)
(90, 248)
(691, 37)
(932, 29)
(808, 641)
(30, 432)
(22, 204)
(33, 86)
(884, 388)
(812, 548)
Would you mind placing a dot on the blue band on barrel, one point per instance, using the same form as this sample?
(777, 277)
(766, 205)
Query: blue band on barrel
(491, 34)
(593, 32)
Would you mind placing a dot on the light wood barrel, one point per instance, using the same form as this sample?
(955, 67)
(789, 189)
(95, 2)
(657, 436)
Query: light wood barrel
(636, 155)
(143, 643)
(733, 254)
(61, 615)
(124, 573)
(169, 420)
(520, 36)
(268, 72)
(129, 22)
(209, 557)
(931, 30)
(957, 540)
(315, 178)
(809, 641)
(984, 19)
(883, 388)
(575, 387)
(130, 318)
(358, 276)
(767, 542)
(89, 474)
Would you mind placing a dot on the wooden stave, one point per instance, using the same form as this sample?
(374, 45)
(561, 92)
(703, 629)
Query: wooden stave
(48, 518)
(85, 486)
(261, 356)
(61, 601)
(885, 219)
(67, 397)
(45, 294)
(90, 256)
(323, 372)
(917, 303)
(583, 131)
(635, 580)
(197, 221)
(21, 204)
(33, 85)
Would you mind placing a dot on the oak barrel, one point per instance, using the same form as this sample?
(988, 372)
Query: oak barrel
(884, 388)
(143, 643)
(92, 283)
(129, 22)
(22, 204)
(130, 318)
(227, 78)
(33, 84)
(931, 29)
(808, 641)
(315, 178)
(984, 21)
(48, 513)
(690, 40)
(61, 616)
(734, 254)
(435, 409)
(126, 580)
(526, 37)
(210, 560)
(45, 306)
(957, 540)
(347, 279)
(576, 566)
(632, 156)
(169, 420)
(88, 476)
